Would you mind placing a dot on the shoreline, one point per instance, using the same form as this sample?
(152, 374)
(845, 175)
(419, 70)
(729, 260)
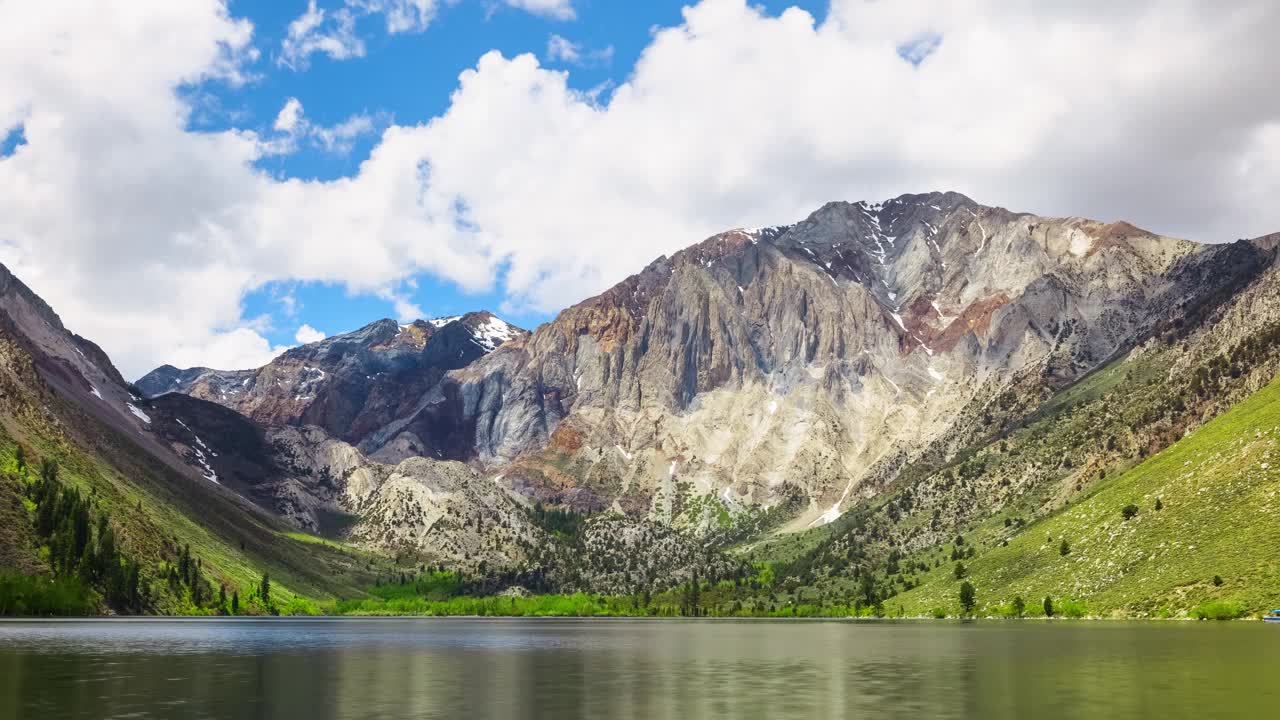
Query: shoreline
(643, 618)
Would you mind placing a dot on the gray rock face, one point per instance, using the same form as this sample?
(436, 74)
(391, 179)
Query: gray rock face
(429, 510)
(816, 357)
(352, 385)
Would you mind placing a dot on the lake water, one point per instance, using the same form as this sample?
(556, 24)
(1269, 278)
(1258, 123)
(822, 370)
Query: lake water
(455, 668)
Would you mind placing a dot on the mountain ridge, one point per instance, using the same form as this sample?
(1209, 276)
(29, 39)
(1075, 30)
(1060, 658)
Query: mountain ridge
(834, 398)
(901, 310)
(901, 279)
(349, 384)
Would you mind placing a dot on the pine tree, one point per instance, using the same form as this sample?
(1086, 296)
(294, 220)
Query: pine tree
(695, 592)
(867, 595)
(235, 602)
(132, 589)
(968, 597)
(265, 590)
(20, 457)
(1048, 606)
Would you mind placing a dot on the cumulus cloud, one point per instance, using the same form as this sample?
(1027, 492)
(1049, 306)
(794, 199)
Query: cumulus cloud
(238, 349)
(307, 335)
(146, 235)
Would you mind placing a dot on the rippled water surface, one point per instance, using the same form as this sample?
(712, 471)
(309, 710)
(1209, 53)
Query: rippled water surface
(428, 668)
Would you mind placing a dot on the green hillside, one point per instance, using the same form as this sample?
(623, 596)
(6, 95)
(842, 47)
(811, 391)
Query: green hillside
(155, 514)
(1218, 490)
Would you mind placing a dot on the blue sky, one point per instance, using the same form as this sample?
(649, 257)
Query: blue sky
(407, 78)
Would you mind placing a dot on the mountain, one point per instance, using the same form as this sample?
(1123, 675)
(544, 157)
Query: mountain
(182, 482)
(353, 385)
(1179, 423)
(811, 363)
(827, 414)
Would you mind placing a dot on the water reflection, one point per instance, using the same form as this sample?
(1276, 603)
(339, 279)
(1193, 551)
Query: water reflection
(633, 669)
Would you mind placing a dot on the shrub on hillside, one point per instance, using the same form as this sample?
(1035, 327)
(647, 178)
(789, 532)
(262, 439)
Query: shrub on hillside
(1217, 610)
(43, 596)
(1073, 609)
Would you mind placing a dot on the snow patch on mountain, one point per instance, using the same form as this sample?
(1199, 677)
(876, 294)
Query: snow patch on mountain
(139, 414)
(494, 332)
(441, 322)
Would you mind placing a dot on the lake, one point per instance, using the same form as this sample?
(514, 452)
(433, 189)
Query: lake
(558, 668)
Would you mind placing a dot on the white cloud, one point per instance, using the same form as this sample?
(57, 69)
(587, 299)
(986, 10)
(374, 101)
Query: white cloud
(307, 335)
(340, 137)
(557, 9)
(318, 31)
(146, 236)
(290, 115)
(239, 349)
(402, 15)
(406, 310)
(561, 49)
(293, 126)
(334, 33)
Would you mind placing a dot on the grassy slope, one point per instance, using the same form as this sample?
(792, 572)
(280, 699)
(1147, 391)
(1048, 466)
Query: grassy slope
(154, 508)
(1220, 487)
(153, 520)
(17, 540)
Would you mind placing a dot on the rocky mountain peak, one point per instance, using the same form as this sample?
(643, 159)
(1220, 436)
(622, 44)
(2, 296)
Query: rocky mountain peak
(353, 384)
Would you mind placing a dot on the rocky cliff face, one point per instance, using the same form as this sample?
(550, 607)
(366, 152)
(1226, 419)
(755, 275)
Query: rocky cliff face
(815, 358)
(352, 385)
